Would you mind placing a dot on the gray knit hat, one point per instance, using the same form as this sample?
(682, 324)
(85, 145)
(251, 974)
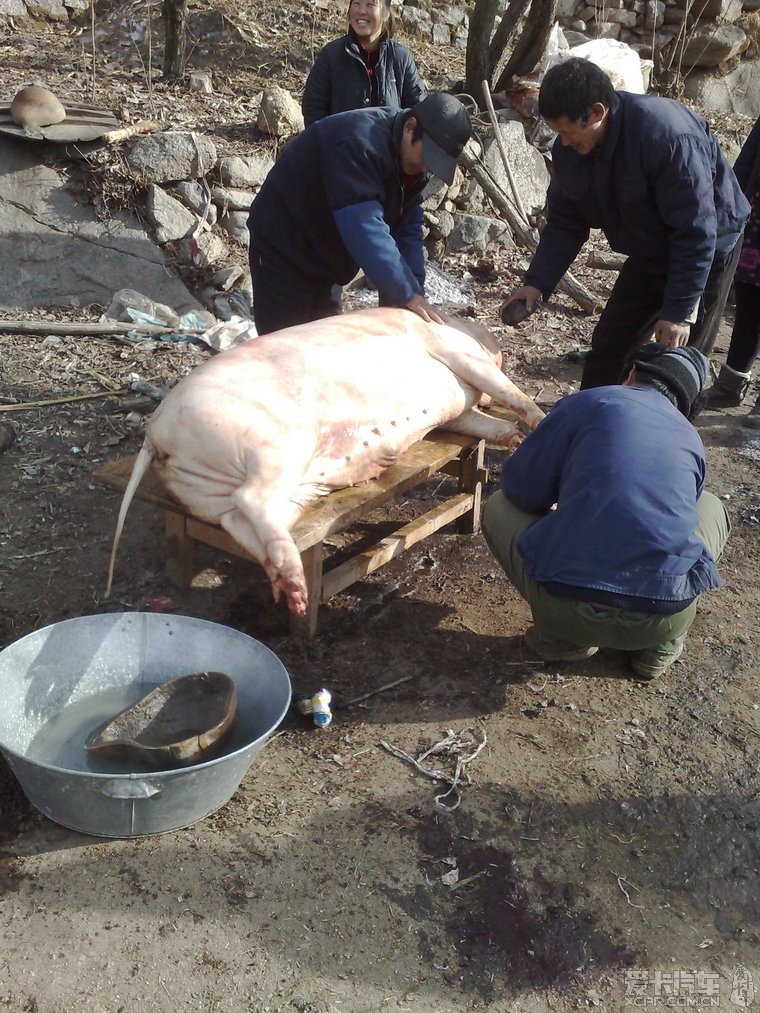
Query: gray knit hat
(683, 370)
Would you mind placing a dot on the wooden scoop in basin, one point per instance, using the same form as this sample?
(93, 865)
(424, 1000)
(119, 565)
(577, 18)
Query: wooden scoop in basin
(179, 722)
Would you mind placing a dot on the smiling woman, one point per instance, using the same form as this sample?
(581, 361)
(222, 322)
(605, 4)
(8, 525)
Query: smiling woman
(364, 68)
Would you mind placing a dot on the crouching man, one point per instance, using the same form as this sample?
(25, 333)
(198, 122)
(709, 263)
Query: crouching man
(602, 522)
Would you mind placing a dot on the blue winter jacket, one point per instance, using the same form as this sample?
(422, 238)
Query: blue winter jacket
(661, 190)
(339, 80)
(625, 469)
(334, 202)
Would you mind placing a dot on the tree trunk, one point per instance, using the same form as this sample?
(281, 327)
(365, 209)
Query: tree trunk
(498, 51)
(530, 46)
(477, 68)
(175, 49)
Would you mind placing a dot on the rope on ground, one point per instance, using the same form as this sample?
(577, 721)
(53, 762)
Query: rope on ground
(463, 746)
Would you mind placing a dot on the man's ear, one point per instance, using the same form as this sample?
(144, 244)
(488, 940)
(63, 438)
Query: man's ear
(630, 380)
(597, 114)
(410, 123)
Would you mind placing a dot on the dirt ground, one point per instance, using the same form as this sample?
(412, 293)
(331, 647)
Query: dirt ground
(605, 854)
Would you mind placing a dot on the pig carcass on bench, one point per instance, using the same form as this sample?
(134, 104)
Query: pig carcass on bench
(250, 438)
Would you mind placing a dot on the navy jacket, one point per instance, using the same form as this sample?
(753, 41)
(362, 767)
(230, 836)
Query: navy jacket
(747, 165)
(661, 190)
(339, 81)
(334, 201)
(625, 469)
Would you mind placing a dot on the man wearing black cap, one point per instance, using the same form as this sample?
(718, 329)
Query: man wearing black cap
(602, 521)
(347, 194)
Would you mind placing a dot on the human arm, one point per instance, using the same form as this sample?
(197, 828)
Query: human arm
(681, 181)
(561, 240)
(317, 92)
(411, 88)
(747, 164)
(532, 476)
(528, 294)
(368, 239)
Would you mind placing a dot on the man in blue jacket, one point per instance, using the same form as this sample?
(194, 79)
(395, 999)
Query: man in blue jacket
(602, 521)
(648, 172)
(347, 194)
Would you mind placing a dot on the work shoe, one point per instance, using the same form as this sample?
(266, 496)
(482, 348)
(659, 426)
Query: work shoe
(649, 664)
(555, 650)
(752, 421)
(729, 389)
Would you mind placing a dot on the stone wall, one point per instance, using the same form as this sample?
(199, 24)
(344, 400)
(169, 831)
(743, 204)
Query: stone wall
(701, 39)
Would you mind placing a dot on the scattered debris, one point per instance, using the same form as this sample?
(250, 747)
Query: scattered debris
(463, 746)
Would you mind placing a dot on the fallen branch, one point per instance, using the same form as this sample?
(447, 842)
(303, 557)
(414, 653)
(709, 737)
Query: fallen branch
(372, 692)
(527, 236)
(62, 400)
(606, 261)
(104, 327)
(503, 151)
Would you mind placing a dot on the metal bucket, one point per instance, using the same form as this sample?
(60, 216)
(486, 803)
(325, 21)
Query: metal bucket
(53, 681)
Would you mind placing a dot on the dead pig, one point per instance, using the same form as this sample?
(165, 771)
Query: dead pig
(251, 437)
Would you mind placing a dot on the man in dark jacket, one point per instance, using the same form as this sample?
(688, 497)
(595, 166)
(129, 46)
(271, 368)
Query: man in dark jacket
(602, 521)
(347, 194)
(648, 172)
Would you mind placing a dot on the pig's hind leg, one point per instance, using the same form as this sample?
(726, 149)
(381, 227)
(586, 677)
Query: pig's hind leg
(486, 427)
(260, 525)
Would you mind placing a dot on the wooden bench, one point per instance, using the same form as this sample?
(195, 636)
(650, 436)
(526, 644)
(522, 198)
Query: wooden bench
(459, 456)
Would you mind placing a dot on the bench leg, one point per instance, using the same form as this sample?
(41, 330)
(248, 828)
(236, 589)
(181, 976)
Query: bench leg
(179, 550)
(306, 626)
(472, 474)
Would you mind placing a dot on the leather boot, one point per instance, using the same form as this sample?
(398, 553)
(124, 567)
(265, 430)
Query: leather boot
(729, 389)
(752, 421)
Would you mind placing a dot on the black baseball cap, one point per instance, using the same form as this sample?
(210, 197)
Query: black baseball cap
(446, 127)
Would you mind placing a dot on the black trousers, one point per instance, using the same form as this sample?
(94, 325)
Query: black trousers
(745, 337)
(283, 298)
(634, 307)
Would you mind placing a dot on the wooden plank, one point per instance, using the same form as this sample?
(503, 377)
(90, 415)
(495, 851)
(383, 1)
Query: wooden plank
(306, 626)
(179, 550)
(332, 513)
(393, 545)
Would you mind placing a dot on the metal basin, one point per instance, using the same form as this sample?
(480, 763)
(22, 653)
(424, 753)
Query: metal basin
(57, 683)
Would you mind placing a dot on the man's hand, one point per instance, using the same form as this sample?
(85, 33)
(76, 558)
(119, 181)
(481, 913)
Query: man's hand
(673, 335)
(528, 294)
(422, 308)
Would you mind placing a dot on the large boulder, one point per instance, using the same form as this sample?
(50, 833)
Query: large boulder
(709, 45)
(527, 166)
(280, 115)
(736, 92)
(54, 251)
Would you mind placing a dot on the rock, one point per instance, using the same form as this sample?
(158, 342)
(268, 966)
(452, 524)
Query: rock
(227, 277)
(441, 222)
(435, 194)
(417, 19)
(70, 257)
(453, 15)
(248, 171)
(528, 171)
(168, 216)
(280, 115)
(13, 9)
(235, 223)
(736, 92)
(654, 15)
(441, 35)
(211, 248)
(477, 232)
(191, 194)
(200, 80)
(230, 199)
(47, 9)
(710, 45)
(172, 155)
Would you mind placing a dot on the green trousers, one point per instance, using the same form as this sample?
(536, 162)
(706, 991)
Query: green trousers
(577, 622)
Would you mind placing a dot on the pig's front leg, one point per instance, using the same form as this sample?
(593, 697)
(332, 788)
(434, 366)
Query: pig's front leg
(482, 373)
(485, 427)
